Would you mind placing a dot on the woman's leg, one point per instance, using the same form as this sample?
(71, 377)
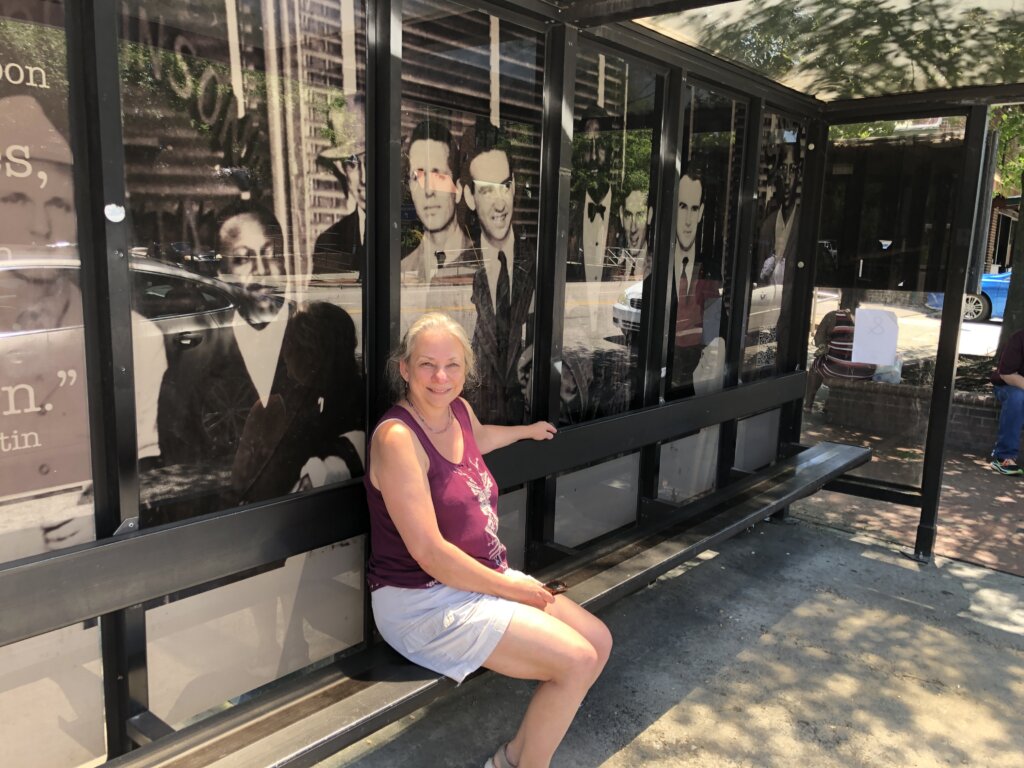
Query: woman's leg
(565, 648)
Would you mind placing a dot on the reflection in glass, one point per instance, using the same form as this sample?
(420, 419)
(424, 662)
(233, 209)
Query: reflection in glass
(471, 157)
(596, 500)
(512, 526)
(609, 223)
(51, 699)
(774, 262)
(757, 439)
(882, 253)
(45, 458)
(247, 213)
(207, 650)
(705, 219)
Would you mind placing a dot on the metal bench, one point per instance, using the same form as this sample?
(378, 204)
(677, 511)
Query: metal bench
(307, 720)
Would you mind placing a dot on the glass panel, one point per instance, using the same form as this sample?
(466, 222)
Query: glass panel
(757, 440)
(688, 466)
(986, 419)
(471, 114)
(244, 147)
(45, 462)
(206, 651)
(596, 500)
(51, 699)
(609, 219)
(832, 50)
(512, 526)
(705, 223)
(774, 263)
(882, 253)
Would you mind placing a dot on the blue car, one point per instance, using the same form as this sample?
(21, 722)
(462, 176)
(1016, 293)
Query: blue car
(979, 307)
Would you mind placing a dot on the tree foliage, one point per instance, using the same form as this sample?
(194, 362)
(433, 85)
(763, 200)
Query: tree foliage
(1009, 121)
(857, 48)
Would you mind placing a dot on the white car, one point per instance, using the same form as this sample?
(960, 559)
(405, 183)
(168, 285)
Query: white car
(765, 307)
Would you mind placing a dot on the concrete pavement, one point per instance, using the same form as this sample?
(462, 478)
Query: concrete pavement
(791, 645)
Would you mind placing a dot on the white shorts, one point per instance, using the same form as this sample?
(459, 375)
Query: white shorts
(446, 630)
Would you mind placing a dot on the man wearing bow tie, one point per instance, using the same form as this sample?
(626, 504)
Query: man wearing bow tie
(694, 289)
(592, 226)
(435, 190)
(503, 285)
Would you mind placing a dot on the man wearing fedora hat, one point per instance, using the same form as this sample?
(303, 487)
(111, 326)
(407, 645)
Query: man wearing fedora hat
(342, 246)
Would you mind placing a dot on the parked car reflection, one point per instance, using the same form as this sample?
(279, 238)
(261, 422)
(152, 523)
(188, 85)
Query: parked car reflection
(765, 307)
(44, 429)
(980, 307)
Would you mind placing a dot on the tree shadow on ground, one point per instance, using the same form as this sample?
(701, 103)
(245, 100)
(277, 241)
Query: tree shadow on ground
(793, 645)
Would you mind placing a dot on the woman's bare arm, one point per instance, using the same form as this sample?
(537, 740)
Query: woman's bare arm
(490, 437)
(399, 470)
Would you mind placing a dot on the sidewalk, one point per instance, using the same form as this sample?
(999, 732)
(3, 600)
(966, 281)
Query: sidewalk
(791, 645)
(981, 515)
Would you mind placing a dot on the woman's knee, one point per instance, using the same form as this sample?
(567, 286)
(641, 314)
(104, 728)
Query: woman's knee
(586, 665)
(602, 642)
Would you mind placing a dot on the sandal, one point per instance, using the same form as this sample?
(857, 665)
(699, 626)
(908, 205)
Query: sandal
(500, 759)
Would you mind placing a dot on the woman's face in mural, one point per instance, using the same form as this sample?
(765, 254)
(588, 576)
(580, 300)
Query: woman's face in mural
(434, 193)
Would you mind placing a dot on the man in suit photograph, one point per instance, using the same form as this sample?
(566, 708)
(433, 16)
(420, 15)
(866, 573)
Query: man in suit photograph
(503, 285)
(592, 227)
(435, 191)
(342, 246)
(695, 289)
(635, 217)
(777, 237)
(282, 400)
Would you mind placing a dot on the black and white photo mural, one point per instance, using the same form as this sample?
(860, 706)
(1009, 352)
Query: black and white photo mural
(780, 178)
(244, 152)
(471, 114)
(702, 254)
(607, 256)
(244, 129)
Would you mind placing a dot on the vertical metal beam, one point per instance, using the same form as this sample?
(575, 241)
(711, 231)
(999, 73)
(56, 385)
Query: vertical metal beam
(382, 293)
(793, 346)
(739, 289)
(96, 141)
(654, 320)
(382, 297)
(560, 49)
(949, 332)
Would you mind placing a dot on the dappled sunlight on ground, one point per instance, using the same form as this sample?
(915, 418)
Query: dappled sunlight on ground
(981, 514)
(795, 645)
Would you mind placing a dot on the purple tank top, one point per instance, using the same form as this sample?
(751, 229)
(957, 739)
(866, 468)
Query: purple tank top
(465, 500)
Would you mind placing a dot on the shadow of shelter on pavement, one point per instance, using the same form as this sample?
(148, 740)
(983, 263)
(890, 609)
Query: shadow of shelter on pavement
(790, 645)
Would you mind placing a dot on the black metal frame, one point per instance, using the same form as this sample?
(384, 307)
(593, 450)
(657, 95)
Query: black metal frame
(46, 592)
(962, 236)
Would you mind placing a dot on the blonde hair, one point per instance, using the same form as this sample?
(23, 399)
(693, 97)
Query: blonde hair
(427, 322)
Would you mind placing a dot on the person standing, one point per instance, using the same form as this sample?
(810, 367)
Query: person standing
(1008, 381)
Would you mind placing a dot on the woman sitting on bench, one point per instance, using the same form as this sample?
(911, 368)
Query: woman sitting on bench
(443, 594)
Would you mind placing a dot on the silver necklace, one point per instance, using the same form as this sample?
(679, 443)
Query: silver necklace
(423, 421)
